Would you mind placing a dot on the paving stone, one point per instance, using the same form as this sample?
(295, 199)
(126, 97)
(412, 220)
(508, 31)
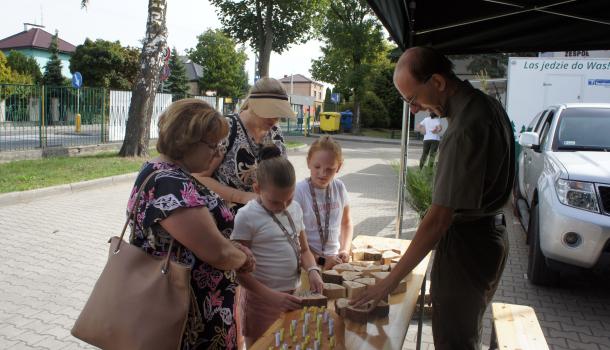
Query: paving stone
(50, 268)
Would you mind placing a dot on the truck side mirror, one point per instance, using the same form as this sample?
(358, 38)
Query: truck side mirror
(530, 139)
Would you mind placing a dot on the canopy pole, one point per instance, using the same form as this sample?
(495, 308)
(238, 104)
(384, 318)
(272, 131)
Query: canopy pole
(404, 139)
(404, 153)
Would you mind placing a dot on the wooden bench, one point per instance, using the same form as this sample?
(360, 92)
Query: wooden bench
(516, 327)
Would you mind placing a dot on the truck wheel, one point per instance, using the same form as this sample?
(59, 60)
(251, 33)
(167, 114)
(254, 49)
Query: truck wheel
(537, 270)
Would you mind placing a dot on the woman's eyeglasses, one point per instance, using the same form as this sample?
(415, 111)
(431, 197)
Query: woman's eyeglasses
(213, 146)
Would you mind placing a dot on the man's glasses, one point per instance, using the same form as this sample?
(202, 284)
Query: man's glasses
(411, 100)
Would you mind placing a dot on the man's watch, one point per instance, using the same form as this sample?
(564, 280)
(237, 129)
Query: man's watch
(321, 260)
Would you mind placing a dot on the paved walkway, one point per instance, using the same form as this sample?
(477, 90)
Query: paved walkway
(54, 249)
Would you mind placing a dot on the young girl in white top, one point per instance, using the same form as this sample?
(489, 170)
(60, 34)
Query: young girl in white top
(272, 227)
(325, 204)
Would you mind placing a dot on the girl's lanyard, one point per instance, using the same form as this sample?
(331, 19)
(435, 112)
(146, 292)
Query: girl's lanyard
(323, 231)
(292, 239)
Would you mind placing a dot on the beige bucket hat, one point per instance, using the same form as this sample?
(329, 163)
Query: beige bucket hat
(269, 105)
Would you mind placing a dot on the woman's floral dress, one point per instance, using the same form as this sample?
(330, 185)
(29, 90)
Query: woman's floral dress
(238, 167)
(211, 324)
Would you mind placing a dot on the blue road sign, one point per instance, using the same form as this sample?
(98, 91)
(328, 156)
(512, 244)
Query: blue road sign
(77, 80)
(335, 97)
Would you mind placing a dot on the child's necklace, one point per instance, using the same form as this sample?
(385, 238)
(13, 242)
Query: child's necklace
(324, 232)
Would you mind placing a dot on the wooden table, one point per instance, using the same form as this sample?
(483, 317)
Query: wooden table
(384, 333)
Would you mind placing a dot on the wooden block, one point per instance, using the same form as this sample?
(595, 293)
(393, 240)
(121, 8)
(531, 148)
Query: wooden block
(341, 305)
(393, 266)
(368, 271)
(354, 289)
(389, 256)
(401, 288)
(395, 260)
(309, 298)
(367, 281)
(332, 276)
(379, 275)
(350, 275)
(344, 267)
(366, 254)
(362, 263)
(358, 268)
(358, 314)
(382, 309)
(334, 291)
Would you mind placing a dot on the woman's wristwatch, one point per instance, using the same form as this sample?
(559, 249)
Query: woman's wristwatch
(321, 260)
(316, 268)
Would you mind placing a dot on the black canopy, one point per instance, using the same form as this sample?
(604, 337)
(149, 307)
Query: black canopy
(483, 26)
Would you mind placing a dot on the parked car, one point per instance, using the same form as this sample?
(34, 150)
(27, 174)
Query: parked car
(563, 189)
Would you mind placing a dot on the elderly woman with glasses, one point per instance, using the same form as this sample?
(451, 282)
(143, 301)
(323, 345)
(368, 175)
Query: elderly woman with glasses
(174, 206)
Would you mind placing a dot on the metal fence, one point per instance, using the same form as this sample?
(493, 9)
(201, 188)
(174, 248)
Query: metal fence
(34, 116)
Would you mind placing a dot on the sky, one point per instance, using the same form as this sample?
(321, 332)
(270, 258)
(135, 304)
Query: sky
(125, 20)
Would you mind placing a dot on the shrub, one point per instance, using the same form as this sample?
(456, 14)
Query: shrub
(420, 184)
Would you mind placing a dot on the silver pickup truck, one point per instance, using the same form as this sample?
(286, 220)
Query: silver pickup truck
(563, 190)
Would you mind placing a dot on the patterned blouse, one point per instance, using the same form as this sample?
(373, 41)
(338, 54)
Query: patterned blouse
(240, 153)
(211, 324)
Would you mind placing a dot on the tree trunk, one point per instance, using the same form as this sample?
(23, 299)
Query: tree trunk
(356, 121)
(137, 131)
(267, 47)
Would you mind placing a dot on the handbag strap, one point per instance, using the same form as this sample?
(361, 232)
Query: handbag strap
(133, 216)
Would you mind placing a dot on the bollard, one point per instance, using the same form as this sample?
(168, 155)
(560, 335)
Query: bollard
(77, 123)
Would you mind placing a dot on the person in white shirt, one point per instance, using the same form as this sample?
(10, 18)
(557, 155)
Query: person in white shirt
(325, 204)
(431, 128)
(272, 227)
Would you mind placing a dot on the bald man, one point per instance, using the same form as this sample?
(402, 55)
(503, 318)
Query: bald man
(473, 181)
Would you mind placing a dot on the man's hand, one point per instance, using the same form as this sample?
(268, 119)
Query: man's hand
(375, 294)
(315, 281)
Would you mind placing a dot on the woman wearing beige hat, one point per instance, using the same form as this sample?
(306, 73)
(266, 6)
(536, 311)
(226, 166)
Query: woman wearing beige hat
(231, 174)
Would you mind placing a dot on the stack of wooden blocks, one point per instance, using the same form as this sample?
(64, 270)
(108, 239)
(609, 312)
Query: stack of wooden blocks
(368, 266)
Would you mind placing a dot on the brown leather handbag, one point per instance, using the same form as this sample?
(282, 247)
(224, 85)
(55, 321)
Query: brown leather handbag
(139, 301)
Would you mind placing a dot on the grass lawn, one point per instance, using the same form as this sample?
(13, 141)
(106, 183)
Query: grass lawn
(30, 174)
(380, 133)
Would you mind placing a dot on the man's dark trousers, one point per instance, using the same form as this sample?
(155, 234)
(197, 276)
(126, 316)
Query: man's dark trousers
(467, 267)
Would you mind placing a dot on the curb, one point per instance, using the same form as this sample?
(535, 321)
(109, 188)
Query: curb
(297, 148)
(365, 140)
(31, 195)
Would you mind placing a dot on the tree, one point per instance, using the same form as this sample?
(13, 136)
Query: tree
(177, 82)
(9, 76)
(353, 41)
(25, 65)
(223, 64)
(495, 64)
(147, 81)
(52, 70)
(382, 84)
(106, 64)
(270, 25)
(327, 95)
